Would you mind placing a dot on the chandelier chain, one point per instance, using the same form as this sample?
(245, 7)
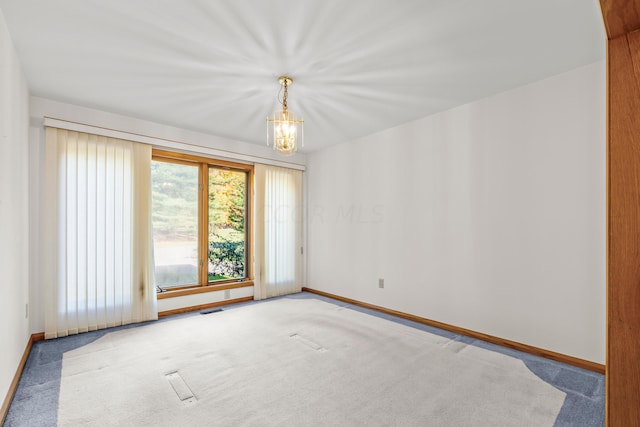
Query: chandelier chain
(283, 101)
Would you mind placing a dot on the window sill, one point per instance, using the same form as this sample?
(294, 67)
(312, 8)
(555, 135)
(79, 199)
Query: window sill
(201, 289)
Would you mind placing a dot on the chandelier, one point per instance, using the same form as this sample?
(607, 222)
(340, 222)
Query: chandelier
(283, 127)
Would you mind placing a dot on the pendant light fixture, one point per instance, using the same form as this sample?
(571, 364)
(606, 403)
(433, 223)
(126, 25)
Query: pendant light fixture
(284, 128)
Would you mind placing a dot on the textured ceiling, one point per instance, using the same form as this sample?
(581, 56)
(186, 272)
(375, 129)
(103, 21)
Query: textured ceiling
(359, 66)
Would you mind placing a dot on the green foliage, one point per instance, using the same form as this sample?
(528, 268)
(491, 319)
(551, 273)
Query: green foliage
(227, 202)
(227, 195)
(174, 190)
(226, 257)
(175, 213)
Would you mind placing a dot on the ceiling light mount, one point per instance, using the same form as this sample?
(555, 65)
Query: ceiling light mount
(284, 126)
(285, 81)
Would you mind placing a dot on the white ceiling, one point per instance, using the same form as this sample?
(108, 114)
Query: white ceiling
(359, 66)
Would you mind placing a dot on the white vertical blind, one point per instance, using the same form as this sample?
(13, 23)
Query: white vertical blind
(97, 233)
(278, 231)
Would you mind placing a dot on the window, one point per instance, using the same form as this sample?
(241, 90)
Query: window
(175, 223)
(227, 224)
(200, 216)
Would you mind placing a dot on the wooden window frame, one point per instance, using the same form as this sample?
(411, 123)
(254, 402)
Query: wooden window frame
(203, 164)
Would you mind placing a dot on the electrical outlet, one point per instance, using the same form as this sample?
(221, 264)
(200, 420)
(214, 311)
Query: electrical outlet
(381, 283)
(227, 293)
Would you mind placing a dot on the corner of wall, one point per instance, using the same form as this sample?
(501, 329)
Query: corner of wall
(14, 210)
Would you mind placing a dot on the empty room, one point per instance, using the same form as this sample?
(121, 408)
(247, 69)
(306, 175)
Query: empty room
(266, 213)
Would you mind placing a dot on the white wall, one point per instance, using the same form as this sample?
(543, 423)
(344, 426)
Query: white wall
(169, 304)
(156, 134)
(162, 136)
(490, 216)
(14, 210)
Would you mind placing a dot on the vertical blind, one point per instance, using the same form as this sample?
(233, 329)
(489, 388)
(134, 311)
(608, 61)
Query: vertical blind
(278, 231)
(97, 233)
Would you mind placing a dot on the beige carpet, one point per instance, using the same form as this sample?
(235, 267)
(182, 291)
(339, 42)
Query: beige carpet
(296, 362)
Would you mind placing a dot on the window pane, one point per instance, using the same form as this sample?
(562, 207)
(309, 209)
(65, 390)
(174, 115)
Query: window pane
(175, 223)
(227, 207)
